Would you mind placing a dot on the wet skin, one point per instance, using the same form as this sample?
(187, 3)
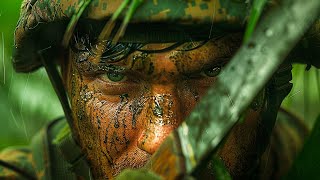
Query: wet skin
(124, 110)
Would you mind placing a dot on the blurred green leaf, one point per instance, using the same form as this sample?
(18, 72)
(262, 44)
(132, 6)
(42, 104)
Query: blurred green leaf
(220, 171)
(307, 165)
(256, 11)
(27, 101)
(140, 174)
(73, 22)
(303, 99)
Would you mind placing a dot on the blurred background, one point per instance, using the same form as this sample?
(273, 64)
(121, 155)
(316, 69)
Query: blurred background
(28, 102)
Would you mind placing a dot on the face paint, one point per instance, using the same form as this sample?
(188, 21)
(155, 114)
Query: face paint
(125, 109)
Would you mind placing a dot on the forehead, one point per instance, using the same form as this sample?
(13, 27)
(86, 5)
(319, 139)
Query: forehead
(188, 56)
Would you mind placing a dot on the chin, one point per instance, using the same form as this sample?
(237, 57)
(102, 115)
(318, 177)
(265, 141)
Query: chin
(130, 160)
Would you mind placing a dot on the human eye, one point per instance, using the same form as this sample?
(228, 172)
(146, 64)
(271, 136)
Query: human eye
(205, 73)
(207, 76)
(215, 69)
(113, 83)
(113, 77)
(212, 71)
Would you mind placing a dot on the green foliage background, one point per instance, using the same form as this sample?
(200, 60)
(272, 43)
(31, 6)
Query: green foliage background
(28, 102)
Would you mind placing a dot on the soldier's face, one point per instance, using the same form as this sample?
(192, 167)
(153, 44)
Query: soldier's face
(124, 110)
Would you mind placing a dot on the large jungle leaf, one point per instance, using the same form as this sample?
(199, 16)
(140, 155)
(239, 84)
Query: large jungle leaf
(307, 165)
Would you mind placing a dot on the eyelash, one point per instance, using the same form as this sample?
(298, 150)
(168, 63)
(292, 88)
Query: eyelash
(217, 70)
(109, 87)
(202, 73)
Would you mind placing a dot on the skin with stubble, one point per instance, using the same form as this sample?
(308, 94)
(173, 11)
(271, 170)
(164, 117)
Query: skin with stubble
(124, 110)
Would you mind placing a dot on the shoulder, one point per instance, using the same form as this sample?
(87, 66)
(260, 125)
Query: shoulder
(16, 163)
(34, 161)
(286, 142)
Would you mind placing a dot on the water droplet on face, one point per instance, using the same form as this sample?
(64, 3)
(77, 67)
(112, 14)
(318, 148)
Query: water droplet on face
(85, 96)
(141, 56)
(136, 108)
(157, 110)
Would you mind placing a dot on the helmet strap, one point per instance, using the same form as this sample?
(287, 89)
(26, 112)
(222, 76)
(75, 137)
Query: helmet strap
(57, 84)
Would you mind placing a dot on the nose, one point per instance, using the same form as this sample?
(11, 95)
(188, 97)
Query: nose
(163, 116)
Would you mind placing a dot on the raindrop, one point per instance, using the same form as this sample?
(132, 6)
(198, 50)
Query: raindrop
(158, 110)
(86, 96)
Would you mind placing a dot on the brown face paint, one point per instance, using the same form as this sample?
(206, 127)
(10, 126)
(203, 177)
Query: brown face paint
(135, 109)
(120, 124)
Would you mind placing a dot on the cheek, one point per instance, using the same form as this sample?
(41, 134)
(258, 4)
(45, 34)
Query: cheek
(106, 125)
(241, 147)
(113, 124)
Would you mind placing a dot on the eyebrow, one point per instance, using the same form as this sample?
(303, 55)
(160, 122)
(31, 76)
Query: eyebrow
(109, 67)
(128, 67)
(121, 50)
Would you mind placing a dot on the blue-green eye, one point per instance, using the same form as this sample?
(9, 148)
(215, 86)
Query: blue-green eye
(212, 72)
(114, 77)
